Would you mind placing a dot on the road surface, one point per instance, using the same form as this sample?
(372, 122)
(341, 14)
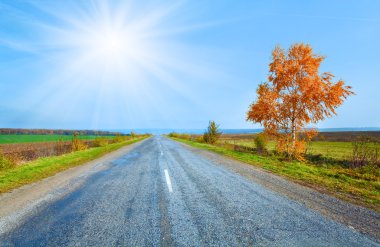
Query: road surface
(162, 193)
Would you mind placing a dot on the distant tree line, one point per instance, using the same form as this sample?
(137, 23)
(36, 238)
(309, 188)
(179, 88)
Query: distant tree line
(10, 131)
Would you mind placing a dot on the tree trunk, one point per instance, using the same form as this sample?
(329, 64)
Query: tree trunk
(293, 136)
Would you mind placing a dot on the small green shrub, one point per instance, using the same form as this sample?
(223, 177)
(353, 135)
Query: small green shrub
(261, 142)
(173, 134)
(180, 136)
(100, 142)
(6, 163)
(212, 134)
(185, 136)
(77, 144)
(199, 139)
(365, 151)
(119, 138)
(133, 134)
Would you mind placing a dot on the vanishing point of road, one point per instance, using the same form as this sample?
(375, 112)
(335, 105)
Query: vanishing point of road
(161, 193)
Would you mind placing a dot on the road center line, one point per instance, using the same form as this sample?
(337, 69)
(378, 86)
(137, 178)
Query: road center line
(168, 182)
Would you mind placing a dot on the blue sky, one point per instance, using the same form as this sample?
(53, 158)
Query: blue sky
(173, 64)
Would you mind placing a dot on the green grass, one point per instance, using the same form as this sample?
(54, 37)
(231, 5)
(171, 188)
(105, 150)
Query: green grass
(360, 186)
(45, 167)
(8, 139)
(335, 150)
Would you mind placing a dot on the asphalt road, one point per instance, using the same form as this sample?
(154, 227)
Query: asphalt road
(161, 193)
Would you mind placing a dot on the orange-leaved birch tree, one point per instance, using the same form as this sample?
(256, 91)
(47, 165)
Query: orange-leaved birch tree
(296, 95)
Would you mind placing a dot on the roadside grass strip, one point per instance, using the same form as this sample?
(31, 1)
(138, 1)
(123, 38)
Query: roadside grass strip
(48, 166)
(360, 185)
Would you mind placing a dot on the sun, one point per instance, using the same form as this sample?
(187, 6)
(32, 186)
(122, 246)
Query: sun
(109, 43)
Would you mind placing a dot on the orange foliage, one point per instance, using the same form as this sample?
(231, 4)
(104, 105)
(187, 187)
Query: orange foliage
(296, 95)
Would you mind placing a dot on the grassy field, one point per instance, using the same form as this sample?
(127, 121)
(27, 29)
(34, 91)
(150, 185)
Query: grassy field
(335, 150)
(14, 138)
(360, 185)
(45, 167)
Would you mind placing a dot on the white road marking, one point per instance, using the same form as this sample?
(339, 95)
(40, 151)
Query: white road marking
(168, 182)
(160, 148)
